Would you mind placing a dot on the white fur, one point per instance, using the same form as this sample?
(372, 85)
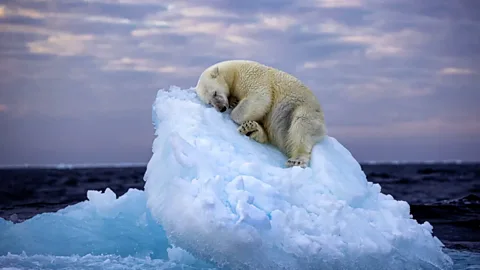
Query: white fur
(273, 106)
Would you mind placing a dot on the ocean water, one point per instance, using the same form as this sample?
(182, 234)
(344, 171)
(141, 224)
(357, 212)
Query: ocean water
(446, 195)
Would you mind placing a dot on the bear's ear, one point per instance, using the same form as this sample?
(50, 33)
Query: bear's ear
(215, 72)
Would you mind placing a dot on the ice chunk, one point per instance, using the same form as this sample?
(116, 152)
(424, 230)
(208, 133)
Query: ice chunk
(225, 198)
(105, 231)
(101, 225)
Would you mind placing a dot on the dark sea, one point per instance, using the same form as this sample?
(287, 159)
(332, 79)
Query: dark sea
(446, 195)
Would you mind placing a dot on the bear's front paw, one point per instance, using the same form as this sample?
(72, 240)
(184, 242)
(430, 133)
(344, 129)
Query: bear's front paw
(248, 127)
(297, 162)
(232, 102)
(253, 130)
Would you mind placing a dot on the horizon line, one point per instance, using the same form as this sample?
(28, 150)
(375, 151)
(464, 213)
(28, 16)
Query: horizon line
(144, 164)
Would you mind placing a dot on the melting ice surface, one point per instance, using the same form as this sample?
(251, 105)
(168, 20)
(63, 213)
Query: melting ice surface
(214, 199)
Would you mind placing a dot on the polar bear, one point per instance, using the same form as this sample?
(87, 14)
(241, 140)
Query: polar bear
(269, 105)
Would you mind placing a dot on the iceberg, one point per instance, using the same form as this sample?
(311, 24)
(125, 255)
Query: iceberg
(229, 200)
(214, 199)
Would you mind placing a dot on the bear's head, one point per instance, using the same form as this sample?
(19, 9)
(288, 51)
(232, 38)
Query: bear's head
(213, 89)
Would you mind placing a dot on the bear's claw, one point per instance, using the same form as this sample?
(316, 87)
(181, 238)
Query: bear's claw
(232, 102)
(296, 162)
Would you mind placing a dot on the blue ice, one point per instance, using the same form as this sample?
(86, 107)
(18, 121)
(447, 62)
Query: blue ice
(216, 199)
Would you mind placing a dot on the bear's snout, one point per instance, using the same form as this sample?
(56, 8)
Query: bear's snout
(220, 103)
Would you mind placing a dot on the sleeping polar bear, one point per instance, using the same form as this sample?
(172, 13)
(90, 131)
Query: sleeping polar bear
(269, 105)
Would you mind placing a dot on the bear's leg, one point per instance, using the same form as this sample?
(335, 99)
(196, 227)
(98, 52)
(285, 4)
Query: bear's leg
(253, 130)
(252, 108)
(306, 129)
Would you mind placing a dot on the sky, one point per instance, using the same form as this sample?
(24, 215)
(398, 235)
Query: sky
(398, 80)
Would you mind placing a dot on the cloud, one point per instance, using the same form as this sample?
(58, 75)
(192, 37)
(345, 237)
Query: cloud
(382, 69)
(2, 11)
(3, 108)
(456, 71)
(146, 65)
(62, 45)
(26, 29)
(339, 3)
(375, 43)
(320, 64)
(63, 9)
(416, 128)
(281, 23)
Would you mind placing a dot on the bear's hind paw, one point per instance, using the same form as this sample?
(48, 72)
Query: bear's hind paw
(297, 162)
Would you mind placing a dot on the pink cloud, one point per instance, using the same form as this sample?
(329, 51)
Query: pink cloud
(3, 108)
